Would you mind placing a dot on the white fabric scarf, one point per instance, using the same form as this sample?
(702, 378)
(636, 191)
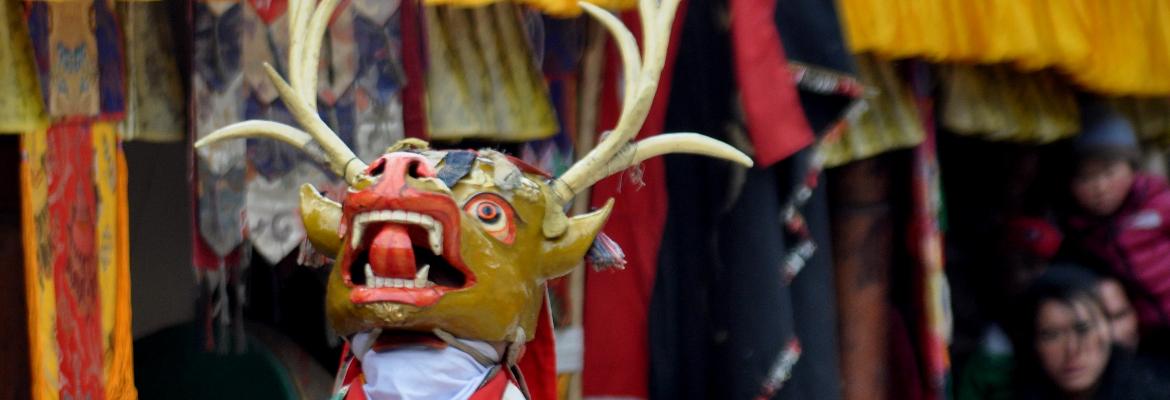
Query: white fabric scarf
(420, 373)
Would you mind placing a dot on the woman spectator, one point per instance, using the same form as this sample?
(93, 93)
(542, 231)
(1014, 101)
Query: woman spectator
(1064, 348)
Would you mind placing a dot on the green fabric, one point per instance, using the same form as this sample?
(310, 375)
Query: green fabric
(341, 393)
(986, 377)
(170, 365)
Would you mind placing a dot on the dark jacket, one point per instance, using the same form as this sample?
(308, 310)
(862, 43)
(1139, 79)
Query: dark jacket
(1127, 377)
(1135, 243)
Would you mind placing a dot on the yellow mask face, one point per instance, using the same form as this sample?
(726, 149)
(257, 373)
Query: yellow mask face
(457, 241)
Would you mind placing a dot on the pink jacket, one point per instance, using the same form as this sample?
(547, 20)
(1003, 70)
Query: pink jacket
(1135, 242)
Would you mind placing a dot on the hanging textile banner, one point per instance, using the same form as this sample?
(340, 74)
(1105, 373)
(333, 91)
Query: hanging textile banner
(997, 102)
(76, 262)
(245, 191)
(73, 189)
(481, 78)
(20, 99)
(242, 185)
(79, 58)
(84, 60)
(888, 122)
(932, 306)
(155, 108)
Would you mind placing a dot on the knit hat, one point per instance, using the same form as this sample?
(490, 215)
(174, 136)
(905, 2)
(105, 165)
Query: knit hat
(1105, 133)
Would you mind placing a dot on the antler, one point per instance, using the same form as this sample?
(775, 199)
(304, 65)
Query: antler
(306, 28)
(617, 151)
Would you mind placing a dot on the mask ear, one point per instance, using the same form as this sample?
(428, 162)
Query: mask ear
(566, 252)
(322, 219)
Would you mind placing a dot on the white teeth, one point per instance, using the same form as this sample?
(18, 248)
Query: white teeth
(434, 229)
(420, 279)
(435, 236)
(359, 221)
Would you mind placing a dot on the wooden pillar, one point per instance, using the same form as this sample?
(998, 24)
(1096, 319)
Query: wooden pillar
(862, 233)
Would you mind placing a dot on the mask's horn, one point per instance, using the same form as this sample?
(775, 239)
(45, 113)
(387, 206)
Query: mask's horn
(617, 151)
(322, 220)
(306, 27)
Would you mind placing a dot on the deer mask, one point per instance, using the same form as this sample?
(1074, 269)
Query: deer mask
(458, 241)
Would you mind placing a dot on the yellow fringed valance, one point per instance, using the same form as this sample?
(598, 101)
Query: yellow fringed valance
(997, 102)
(890, 122)
(1150, 118)
(556, 8)
(21, 108)
(1117, 47)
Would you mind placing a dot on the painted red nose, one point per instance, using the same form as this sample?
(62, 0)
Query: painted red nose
(393, 168)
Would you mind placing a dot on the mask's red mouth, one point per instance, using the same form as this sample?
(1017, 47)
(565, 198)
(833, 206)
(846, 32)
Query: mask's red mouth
(402, 256)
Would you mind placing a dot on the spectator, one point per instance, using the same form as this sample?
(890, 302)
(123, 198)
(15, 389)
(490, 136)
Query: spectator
(1122, 216)
(1027, 245)
(1123, 321)
(1064, 348)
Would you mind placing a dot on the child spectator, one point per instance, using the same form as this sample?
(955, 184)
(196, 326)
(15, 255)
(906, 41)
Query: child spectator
(1123, 215)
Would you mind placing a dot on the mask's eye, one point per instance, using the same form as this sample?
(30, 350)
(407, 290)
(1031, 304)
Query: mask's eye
(494, 214)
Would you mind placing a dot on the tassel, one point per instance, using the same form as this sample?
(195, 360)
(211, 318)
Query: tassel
(310, 257)
(605, 254)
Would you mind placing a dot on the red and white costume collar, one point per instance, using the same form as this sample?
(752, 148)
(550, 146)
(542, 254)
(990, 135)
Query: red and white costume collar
(426, 373)
(538, 363)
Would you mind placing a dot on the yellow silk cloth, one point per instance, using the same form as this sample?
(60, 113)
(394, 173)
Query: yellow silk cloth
(557, 8)
(52, 256)
(1118, 47)
(482, 81)
(21, 108)
(998, 102)
(891, 120)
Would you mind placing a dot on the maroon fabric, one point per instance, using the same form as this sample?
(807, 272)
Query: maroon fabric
(904, 380)
(1135, 242)
(774, 117)
(616, 301)
(413, 110)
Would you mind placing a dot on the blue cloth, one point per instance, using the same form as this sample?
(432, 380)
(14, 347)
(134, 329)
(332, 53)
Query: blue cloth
(456, 165)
